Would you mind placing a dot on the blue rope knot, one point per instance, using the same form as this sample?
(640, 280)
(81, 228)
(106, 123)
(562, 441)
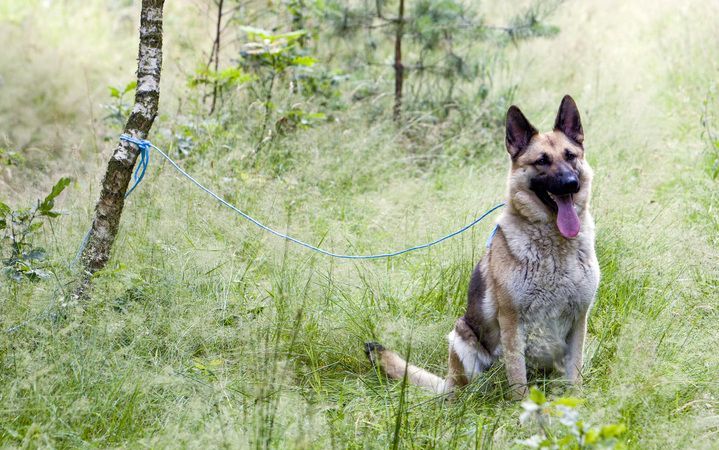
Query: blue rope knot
(144, 147)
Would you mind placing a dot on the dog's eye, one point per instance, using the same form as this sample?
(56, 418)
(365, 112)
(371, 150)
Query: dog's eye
(569, 156)
(543, 161)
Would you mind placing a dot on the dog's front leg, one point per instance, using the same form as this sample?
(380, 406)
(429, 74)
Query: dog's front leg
(573, 360)
(513, 343)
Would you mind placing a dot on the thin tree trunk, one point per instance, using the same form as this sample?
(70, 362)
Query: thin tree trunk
(119, 169)
(398, 67)
(216, 50)
(378, 5)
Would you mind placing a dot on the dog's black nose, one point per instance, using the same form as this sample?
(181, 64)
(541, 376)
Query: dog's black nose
(567, 183)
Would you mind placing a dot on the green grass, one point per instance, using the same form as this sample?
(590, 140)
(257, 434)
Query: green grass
(205, 332)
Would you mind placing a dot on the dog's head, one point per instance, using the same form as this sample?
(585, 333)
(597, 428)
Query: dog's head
(549, 172)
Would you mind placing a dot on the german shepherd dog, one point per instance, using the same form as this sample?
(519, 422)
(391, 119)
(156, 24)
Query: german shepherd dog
(530, 294)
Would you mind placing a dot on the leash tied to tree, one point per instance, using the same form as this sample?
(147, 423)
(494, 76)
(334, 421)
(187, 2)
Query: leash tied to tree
(144, 146)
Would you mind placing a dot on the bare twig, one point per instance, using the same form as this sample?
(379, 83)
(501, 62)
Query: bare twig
(216, 54)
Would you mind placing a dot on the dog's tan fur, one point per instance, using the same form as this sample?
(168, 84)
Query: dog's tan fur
(532, 291)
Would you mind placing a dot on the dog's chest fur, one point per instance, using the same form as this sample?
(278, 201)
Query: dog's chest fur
(552, 287)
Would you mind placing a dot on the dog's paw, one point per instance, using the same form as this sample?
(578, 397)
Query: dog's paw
(372, 350)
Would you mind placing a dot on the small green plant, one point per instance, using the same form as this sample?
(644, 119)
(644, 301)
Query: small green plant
(320, 85)
(574, 433)
(220, 81)
(271, 56)
(714, 169)
(18, 227)
(119, 108)
(711, 136)
(297, 118)
(10, 158)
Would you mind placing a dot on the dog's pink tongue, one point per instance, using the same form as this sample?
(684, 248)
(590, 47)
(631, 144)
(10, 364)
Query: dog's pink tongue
(567, 219)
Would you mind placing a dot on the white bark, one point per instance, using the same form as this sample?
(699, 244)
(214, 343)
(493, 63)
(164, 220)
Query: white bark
(119, 169)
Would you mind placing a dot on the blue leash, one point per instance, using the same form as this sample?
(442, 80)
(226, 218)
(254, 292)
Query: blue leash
(491, 236)
(145, 146)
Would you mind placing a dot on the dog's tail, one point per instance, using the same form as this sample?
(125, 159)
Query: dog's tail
(395, 367)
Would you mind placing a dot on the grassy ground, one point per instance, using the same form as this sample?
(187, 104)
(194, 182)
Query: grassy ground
(205, 332)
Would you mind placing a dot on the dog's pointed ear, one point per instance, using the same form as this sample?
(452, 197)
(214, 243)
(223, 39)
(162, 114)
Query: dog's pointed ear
(568, 121)
(519, 132)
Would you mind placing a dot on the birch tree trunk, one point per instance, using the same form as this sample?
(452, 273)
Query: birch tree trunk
(119, 169)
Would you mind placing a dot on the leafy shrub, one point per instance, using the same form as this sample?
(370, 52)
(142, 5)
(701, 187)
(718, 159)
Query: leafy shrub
(10, 158)
(119, 108)
(297, 118)
(269, 57)
(25, 260)
(223, 79)
(574, 432)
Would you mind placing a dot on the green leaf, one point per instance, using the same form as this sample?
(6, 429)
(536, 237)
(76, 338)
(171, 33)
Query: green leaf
(130, 86)
(4, 209)
(255, 33)
(263, 35)
(571, 402)
(202, 76)
(566, 441)
(33, 227)
(233, 75)
(13, 274)
(36, 254)
(306, 61)
(291, 36)
(592, 436)
(613, 430)
(537, 396)
(114, 92)
(36, 274)
(20, 215)
(47, 204)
